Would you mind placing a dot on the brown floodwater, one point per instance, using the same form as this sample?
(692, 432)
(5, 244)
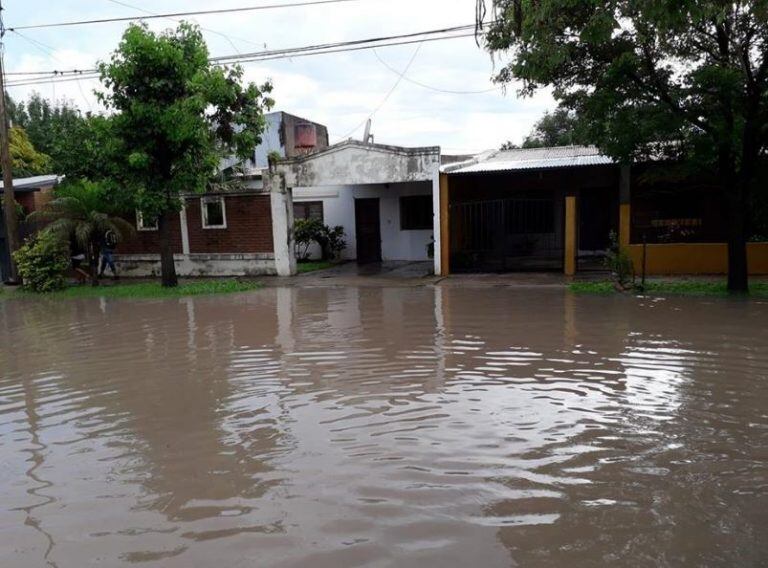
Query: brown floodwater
(430, 426)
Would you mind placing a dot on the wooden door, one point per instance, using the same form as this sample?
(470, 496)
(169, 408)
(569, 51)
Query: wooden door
(368, 229)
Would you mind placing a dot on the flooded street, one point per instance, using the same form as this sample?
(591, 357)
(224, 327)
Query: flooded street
(427, 426)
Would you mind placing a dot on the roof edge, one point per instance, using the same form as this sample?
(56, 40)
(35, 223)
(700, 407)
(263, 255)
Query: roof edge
(400, 150)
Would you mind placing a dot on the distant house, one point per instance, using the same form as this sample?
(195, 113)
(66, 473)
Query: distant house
(382, 195)
(31, 193)
(289, 136)
(554, 208)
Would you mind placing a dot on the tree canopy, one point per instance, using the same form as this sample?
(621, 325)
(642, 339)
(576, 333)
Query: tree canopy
(559, 128)
(26, 160)
(685, 80)
(175, 116)
(74, 141)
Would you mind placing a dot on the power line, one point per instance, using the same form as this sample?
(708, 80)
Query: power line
(179, 14)
(269, 55)
(389, 94)
(431, 88)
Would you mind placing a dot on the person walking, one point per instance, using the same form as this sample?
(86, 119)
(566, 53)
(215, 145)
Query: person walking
(108, 244)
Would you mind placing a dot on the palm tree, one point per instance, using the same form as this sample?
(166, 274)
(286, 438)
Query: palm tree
(80, 211)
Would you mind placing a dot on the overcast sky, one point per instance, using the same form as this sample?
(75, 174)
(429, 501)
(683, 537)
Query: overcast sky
(338, 90)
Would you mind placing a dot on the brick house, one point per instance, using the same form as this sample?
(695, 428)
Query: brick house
(216, 234)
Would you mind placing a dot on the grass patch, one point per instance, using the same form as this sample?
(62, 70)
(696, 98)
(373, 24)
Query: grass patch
(594, 287)
(304, 267)
(139, 290)
(757, 289)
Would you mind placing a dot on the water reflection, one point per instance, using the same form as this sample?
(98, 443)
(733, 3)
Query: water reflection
(383, 426)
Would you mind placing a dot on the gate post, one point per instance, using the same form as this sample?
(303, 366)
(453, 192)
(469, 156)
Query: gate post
(569, 265)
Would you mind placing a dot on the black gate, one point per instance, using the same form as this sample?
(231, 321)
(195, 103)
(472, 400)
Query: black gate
(505, 235)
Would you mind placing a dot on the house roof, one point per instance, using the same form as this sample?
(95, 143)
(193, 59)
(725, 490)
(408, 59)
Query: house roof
(34, 183)
(351, 143)
(530, 159)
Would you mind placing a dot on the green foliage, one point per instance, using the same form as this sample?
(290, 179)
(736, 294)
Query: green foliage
(671, 288)
(559, 128)
(59, 130)
(26, 160)
(679, 80)
(330, 239)
(309, 266)
(305, 232)
(618, 261)
(81, 211)
(152, 290)
(176, 114)
(594, 287)
(42, 261)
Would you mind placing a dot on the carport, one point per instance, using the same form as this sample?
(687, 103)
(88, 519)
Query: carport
(528, 210)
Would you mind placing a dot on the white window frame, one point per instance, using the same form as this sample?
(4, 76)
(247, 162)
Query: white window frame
(204, 211)
(140, 226)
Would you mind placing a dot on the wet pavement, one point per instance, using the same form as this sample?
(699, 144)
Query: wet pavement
(432, 425)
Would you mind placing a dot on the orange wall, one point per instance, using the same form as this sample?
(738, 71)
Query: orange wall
(696, 258)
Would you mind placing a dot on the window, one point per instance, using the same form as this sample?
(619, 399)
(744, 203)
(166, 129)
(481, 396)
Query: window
(416, 212)
(214, 212)
(308, 210)
(147, 224)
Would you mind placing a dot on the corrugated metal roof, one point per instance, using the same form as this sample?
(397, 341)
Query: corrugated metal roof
(532, 159)
(34, 182)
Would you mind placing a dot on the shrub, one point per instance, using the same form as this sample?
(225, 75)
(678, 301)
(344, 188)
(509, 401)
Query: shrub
(331, 241)
(306, 231)
(619, 263)
(42, 261)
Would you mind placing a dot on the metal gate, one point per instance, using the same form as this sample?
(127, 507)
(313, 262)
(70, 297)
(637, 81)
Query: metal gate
(504, 235)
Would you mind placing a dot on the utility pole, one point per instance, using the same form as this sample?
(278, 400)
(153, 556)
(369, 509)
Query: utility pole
(9, 199)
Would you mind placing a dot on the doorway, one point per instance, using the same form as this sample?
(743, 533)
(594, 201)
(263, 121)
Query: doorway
(368, 230)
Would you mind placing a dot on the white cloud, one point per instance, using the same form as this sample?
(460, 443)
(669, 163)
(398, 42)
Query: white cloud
(339, 90)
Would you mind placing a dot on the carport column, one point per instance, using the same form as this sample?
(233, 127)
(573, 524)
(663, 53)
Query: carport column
(281, 198)
(444, 248)
(569, 265)
(624, 206)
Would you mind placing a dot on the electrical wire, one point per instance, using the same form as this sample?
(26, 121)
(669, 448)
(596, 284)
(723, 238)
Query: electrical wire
(38, 77)
(386, 98)
(179, 14)
(429, 87)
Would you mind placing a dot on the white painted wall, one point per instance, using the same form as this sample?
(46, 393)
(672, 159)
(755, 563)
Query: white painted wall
(339, 209)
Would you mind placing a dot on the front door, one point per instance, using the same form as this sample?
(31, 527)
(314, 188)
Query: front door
(368, 229)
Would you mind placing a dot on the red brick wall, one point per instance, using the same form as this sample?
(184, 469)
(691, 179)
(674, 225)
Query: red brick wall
(249, 229)
(249, 226)
(146, 242)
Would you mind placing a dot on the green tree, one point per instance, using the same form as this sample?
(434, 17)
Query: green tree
(82, 212)
(559, 128)
(26, 160)
(175, 116)
(554, 129)
(685, 80)
(77, 144)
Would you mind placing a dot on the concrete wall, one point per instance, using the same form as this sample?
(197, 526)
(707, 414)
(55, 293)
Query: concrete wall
(339, 209)
(355, 163)
(144, 265)
(695, 258)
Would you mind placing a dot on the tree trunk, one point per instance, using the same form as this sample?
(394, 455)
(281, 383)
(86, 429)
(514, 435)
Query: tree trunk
(167, 266)
(738, 274)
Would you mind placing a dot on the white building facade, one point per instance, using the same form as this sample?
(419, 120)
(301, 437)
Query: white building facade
(383, 196)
